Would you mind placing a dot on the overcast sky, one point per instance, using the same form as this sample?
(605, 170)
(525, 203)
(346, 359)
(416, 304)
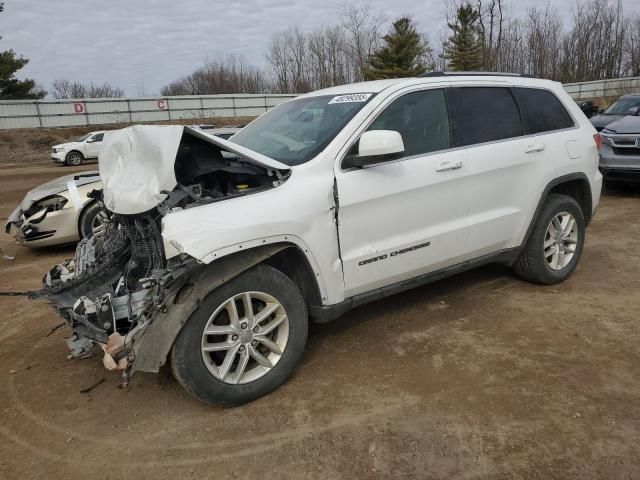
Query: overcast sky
(152, 42)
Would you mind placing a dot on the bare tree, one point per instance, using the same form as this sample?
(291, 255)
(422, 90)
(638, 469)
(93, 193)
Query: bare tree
(365, 31)
(632, 48)
(544, 43)
(62, 88)
(287, 55)
(593, 48)
(67, 89)
(491, 24)
(228, 74)
(513, 48)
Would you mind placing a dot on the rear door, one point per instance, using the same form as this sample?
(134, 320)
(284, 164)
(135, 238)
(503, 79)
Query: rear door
(406, 217)
(500, 164)
(510, 160)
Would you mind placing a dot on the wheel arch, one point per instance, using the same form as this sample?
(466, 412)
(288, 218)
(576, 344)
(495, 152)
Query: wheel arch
(153, 347)
(574, 185)
(74, 150)
(293, 262)
(81, 213)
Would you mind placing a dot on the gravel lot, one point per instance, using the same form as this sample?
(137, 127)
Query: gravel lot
(477, 376)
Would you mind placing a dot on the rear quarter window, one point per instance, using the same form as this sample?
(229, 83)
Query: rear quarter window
(542, 111)
(485, 114)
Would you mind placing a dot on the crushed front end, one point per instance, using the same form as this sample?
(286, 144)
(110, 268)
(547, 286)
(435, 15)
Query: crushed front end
(127, 291)
(112, 289)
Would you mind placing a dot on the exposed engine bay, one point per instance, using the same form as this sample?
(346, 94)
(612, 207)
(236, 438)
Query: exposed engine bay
(121, 280)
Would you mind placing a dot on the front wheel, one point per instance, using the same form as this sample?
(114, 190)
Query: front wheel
(74, 159)
(92, 220)
(244, 340)
(555, 245)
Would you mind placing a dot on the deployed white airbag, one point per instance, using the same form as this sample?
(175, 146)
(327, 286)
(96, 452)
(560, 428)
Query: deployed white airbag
(136, 164)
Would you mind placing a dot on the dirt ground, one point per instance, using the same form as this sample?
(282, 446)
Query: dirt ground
(477, 376)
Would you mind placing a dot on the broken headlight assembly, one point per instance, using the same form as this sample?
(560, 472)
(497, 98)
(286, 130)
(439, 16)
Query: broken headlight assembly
(40, 208)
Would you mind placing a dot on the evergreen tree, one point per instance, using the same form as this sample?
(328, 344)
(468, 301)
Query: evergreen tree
(463, 50)
(10, 87)
(401, 56)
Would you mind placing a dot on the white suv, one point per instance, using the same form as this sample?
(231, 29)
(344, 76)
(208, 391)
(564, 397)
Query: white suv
(329, 201)
(75, 152)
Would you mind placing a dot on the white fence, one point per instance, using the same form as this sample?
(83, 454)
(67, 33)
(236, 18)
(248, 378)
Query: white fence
(603, 88)
(66, 113)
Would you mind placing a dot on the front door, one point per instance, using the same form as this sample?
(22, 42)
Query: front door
(407, 217)
(94, 144)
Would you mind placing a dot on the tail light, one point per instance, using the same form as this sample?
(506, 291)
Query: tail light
(598, 139)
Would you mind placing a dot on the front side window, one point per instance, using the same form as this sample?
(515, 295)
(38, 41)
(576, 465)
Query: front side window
(542, 111)
(485, 114)
(296, 131)
(98, 137)
(422, 120)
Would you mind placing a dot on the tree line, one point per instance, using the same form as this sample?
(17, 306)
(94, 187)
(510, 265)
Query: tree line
(597, 41)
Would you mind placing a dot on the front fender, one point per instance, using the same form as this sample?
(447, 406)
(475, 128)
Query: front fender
(152, 345)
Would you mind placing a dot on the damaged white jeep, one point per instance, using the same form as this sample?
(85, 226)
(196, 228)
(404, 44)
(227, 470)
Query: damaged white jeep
(219, 252)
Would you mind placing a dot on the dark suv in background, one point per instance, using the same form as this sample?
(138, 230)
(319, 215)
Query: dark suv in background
(625, 105)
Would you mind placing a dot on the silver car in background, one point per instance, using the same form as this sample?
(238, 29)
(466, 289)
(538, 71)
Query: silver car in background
(58, 212)
(62, 211)
(620, 151)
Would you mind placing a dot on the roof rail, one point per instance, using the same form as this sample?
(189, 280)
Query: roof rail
(474, 74)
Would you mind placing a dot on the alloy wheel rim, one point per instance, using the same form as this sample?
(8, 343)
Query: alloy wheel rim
(245, 337)
(99, 221)
(561, 241)
(74, 159)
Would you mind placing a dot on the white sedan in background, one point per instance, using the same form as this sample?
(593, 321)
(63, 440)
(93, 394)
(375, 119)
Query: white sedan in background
(74, 153)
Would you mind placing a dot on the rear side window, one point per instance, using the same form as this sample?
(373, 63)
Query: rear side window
(542, 111)
(421, 118)
(485, 114)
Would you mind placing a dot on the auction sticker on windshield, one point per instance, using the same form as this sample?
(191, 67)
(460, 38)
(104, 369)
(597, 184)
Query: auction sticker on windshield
(353, 98)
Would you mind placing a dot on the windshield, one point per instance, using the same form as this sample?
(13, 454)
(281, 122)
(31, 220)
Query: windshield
(296, 131)
(83, 137)
(623, 106)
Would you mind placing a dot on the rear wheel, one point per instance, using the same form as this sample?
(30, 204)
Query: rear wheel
(244, 340)
(555, 245)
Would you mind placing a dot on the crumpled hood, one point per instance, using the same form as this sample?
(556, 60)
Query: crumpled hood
(627, 125)
(601, 121)
(58, 185)
(137, 164)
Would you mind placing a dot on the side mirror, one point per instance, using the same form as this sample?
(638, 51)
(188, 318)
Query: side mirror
(90, 140)
(634, 111)
(376, 146)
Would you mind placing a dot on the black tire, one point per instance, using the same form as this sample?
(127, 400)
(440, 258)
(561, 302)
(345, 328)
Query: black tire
(188, 366)
(74, 158)
(531, 264)
(87, 217)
